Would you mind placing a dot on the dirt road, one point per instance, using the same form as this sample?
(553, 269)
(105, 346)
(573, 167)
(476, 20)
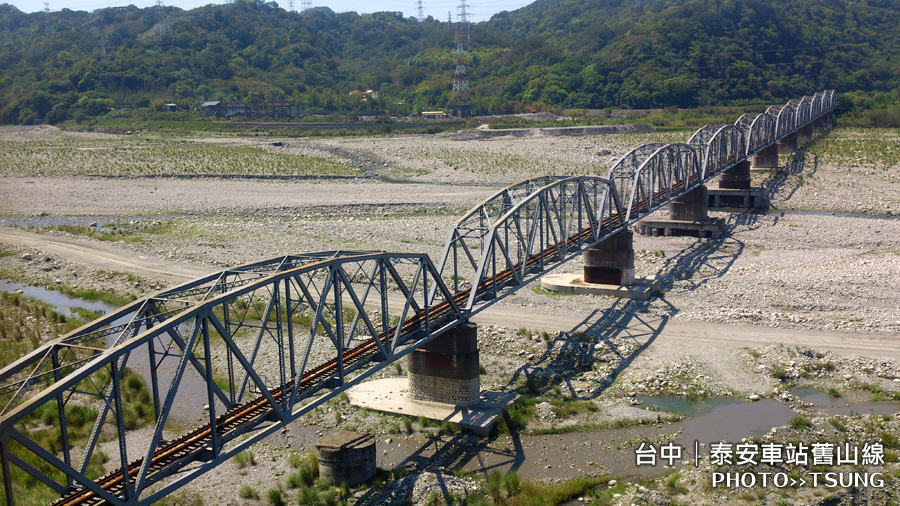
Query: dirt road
(104, 256)
(666, 334)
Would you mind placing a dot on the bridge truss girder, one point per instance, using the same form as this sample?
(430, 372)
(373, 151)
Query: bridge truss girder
(286, 314)
(546, 226)
(279, 316)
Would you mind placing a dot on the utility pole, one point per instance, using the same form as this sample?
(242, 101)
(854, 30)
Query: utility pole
(420, 12)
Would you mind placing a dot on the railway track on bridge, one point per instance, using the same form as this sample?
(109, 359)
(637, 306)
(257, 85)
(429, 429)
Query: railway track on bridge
(521, 232)
(199, 439)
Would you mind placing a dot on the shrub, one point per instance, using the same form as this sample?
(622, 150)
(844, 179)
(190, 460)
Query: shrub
(275, 497)
(248, 492)
(244, 459)
(307, 469)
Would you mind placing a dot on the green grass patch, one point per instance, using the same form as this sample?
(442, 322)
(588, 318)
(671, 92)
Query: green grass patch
(248, 492)
(533, 493)
(158, 155)
(244, 459)
(517, 415)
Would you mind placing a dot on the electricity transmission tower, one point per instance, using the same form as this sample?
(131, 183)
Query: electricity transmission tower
(305, 5)
(460, 77)
(46, 12)
(420, 12)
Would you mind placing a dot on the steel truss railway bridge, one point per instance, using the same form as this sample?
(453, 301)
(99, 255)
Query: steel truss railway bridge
(265, 343)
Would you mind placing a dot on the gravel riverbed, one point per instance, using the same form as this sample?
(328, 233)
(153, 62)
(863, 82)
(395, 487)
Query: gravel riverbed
(779, 271)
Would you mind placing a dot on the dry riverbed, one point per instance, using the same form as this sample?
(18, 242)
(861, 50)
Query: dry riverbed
(590, 394)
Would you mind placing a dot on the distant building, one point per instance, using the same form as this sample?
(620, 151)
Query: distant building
(172, 107)
(211, 109)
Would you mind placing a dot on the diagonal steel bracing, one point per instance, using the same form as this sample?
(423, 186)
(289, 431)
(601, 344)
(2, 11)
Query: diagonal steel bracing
(264, 343)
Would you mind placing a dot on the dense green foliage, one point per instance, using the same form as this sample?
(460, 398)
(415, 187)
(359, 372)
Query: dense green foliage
(552, 53)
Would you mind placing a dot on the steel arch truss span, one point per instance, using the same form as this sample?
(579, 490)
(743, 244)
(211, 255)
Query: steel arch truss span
(652, 174)
(515, 235)
(720, 146)
(253, 344)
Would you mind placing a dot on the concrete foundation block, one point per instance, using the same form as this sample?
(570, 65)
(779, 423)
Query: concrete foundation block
(788, 145)
(346, 457)
(667, 227)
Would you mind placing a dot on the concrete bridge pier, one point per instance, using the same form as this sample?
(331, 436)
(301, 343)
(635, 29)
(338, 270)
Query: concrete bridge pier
(805, 134)
(688, 215)
(611, 262)
(608, 270)
(346, 457)
(765, 159)
(442, 384)
(788, 145)
(828, 119)
(818, 126)
(734, 191)
(692, 206)
(737, 177)
(446, 369)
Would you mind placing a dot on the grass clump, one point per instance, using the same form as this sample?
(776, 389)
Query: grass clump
(534, 493)
(307, 466)
(889, 440)
(565, 408)
(780, 373)
(275, 497)
(517, 416)
(674, 487)
(248, 492)
(244, 459)
(799, 423)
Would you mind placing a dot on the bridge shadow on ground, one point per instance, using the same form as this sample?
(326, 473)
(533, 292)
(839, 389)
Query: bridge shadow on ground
(783, 182)
(615, 336)
(605, 343)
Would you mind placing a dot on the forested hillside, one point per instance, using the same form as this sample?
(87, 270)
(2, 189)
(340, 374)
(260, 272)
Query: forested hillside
(552, 53)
